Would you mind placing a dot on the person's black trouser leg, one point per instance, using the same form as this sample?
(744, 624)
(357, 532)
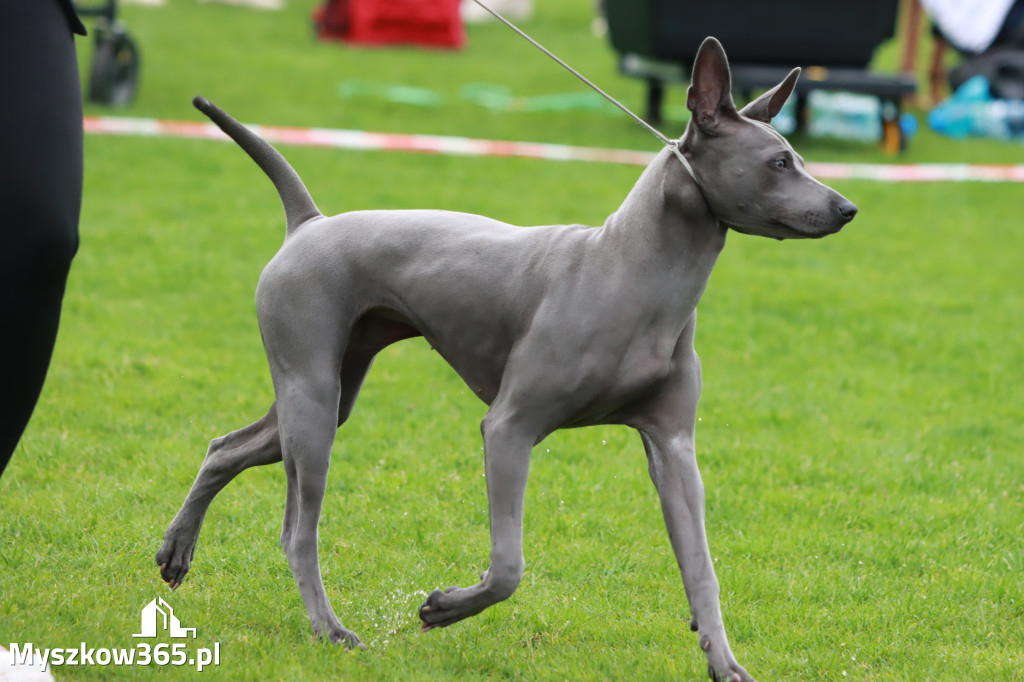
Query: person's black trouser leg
(40, 197)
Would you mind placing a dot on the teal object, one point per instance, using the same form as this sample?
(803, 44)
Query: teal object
(972, 111)
(494, 97)
(403, 94)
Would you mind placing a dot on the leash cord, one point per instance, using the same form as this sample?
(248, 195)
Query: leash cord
(671, 144)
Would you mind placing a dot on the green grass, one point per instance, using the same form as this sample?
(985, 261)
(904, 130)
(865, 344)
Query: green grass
(859, 437)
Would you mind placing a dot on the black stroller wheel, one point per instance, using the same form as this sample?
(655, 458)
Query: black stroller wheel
(114, 76)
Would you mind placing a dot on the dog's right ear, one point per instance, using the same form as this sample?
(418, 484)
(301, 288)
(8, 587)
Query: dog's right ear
(709, 96)
(767, 106)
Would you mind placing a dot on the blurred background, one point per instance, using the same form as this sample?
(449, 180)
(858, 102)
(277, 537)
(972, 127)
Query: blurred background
(872, 71)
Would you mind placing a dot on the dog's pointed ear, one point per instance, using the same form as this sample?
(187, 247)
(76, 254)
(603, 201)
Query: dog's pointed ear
(709, 96)
(767, 106)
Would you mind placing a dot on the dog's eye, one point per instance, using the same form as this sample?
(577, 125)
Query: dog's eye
(781, 164)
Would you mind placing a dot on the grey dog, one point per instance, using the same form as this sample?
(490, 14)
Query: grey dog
(552, 327)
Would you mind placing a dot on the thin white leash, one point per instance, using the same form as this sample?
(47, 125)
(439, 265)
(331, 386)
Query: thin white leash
(670, 143)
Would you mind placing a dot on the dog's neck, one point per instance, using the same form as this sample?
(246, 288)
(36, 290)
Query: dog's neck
(666, 217)
(666, 230)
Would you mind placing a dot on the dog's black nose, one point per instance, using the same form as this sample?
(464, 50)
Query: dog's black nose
(847, 209)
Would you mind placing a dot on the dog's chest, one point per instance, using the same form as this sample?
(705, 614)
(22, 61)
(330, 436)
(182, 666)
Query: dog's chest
(645, 364)
(613, 388)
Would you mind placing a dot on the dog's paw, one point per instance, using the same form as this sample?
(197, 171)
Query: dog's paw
(174, 559)
(722, 666)
(441, 609)
(434, 614)
(339, 634)
(733, 674)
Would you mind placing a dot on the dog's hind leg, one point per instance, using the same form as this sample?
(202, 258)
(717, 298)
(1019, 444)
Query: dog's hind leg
(305, 425)
(309, 413)
(227, 456)
(255, 445)
(354, 368)
(368, 337)
(305, 350)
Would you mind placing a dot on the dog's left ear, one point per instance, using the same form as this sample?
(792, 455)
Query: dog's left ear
(767, 106)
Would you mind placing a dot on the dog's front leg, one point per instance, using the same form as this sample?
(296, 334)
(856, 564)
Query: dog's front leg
(507, 453)
(668, 436)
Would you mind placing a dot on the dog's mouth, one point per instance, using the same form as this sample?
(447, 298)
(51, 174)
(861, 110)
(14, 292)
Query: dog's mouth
(818, 232)
(779, 229)
(815, 225)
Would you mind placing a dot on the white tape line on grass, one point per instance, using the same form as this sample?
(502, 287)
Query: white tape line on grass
(922, 172)
(465, 146)
(362, 140)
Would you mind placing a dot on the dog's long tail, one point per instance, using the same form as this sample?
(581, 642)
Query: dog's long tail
(298, 204)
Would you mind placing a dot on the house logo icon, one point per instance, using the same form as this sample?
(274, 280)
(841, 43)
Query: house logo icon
(157, 615)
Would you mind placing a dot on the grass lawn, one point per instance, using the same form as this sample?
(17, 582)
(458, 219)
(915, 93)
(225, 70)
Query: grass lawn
(860, 434)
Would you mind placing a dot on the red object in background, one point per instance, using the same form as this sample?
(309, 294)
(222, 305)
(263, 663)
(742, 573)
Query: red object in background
(330, 20)
(429, 23)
